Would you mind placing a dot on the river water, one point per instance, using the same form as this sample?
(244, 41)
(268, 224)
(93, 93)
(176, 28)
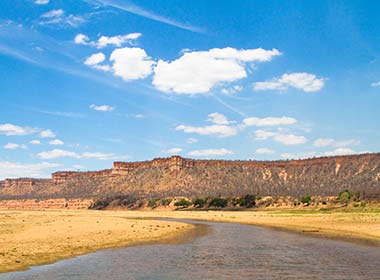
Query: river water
(221, 251)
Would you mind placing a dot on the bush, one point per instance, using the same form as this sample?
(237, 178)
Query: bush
(183, 203)
(306, 199)
(345, 196)
(219, 202)
(153, 202)
(166, 201)
(247, 201)
(199, 202)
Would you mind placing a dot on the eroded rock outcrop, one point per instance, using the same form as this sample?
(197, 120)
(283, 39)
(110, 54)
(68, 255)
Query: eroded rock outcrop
(176, 176)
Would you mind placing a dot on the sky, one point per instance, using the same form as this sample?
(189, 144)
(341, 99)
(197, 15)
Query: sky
(85, 83)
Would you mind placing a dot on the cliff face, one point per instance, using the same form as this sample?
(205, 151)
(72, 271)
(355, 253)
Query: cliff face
(177, 176)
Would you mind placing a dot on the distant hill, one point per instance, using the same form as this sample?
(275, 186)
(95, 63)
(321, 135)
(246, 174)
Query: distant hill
(177, 176)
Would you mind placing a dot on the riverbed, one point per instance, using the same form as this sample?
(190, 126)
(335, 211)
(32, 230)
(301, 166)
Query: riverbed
(221, 251)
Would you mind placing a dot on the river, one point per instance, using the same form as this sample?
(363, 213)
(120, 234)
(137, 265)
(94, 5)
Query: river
(220, 251)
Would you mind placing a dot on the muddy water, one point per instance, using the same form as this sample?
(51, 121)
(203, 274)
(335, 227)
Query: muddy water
(221, 251)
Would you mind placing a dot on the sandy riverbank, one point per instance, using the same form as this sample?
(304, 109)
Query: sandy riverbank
(37, 237)
(351, 225)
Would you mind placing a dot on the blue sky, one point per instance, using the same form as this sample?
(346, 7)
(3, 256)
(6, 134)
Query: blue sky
(85, 83)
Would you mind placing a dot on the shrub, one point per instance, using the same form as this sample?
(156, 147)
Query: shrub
(219, 202)
(247, 201)
(166, 201)
(306, 199)
(199, 202)
(345, 196)
(153, 202)
(183, 203)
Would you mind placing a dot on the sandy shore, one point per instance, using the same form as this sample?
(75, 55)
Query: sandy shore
(37, 237)
(351, 225)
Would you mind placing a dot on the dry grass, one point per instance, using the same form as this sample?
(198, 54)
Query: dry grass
(38, 237)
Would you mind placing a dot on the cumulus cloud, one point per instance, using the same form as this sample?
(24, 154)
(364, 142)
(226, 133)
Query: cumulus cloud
(117, 41)
(102, 108)
(47, 133)
(14, 146)
(303, 81)
(286, 139)
(35, 142)
(269, 121)
(94, 61)
(218, 118)
(58, 153)
(172, 151)
(56, 142)
(131, 63)
(210, 152)
(264, 151)
(11, 130)
(15, 169)
(325, 142)
(198, 71)
(105, 41)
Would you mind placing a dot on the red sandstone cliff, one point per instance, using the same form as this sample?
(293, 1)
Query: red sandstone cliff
(179, 176)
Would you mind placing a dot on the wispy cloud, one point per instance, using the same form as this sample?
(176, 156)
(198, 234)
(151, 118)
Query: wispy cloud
(134, 9)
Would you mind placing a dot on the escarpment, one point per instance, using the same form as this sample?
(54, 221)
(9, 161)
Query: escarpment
(177, 176)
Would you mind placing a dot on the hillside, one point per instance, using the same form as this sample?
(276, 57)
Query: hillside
(177, 176)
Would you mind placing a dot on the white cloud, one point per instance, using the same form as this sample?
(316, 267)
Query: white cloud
(41, 2)
(218, 118)
(47, 133)
(265, 151)
(375, 84)
(56, 142)
(58, 153)
(53, 14)
(324, 142)
(131, 63)
(231, 90)
(102, 108)
(15, 170)
(104, 41)
(269, 121)
(172, 151)
(303, 81)
(198, 71)
(218, 130)
(339, 151)
(139, 116)
(78, 166)
(286, 139)
(14, 146)
(82, 39)
(35, 142)
(210, 152)
(191, 140)
(290, 139)
(11, 130)
(298, 155)
(95, 58)
(117, 41)
(58, 17)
